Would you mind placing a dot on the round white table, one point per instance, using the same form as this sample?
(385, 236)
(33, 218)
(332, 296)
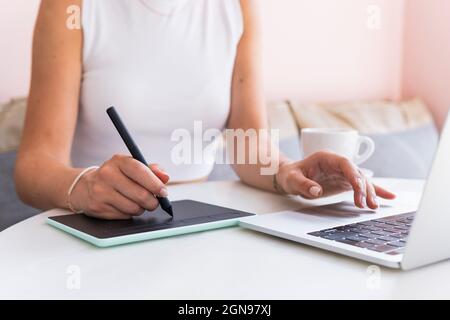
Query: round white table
(38, 261)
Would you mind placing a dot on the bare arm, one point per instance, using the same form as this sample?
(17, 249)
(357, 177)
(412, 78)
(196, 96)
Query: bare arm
(121, 187)
(43, 172)
(248, 109)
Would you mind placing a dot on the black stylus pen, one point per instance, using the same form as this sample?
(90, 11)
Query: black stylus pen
(135, 152)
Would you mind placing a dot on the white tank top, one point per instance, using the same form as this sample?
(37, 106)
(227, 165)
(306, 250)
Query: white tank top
(164, 64)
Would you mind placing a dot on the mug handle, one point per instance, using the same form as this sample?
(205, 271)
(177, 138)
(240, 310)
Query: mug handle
(370, 149)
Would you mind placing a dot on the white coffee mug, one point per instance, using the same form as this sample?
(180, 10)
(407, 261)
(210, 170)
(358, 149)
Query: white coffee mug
(345, 142)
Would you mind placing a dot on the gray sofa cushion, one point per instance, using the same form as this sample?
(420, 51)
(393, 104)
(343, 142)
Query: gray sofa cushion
(406, 154)
(12, 210)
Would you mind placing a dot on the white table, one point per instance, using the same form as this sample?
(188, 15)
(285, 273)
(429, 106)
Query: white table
(36, 261)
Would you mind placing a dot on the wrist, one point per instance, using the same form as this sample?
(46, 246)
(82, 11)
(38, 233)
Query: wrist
(277, 177)
(281, 176)
(276, 185)
(79, 191)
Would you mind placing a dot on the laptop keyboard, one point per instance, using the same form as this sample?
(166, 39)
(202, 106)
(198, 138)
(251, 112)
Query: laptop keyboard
(386, 235)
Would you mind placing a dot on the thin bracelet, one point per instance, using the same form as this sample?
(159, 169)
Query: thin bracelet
(276, 185)
(74, 183)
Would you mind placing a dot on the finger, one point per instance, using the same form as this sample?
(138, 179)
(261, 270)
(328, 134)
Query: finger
(360, 194)
(372, 202)
(124, 205)
(133, 191)
(383, 193)
(109, 213)
(352, 174)
(142, 175)
(161, 174)
(305, 187)
(356, 180)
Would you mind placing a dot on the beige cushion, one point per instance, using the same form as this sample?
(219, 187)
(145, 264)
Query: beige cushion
(366, 117)
(12, 117)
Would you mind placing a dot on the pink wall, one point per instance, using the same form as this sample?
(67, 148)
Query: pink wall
(427, 54)
(16, 24)
(315, 49)
(323, 50)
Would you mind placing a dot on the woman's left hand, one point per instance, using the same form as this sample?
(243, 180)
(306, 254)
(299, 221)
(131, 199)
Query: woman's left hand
(324, 174)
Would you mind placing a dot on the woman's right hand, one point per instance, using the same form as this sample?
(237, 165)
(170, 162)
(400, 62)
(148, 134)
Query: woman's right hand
(120, 189)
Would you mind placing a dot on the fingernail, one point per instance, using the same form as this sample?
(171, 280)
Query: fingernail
(165, 175)
(375, 201)
(155, 167)
(315, 191)
(162, 171)
(163, 192)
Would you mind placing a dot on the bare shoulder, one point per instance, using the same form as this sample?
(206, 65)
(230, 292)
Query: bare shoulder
(56, 69)
(57, 43)
(59, 20)
(55, 11)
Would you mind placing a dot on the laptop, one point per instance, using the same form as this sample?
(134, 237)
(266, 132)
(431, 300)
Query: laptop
(402, 236)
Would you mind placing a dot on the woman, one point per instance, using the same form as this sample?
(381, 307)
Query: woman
(166, 64)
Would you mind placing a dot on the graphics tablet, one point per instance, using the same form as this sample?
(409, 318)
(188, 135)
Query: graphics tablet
(189, 217)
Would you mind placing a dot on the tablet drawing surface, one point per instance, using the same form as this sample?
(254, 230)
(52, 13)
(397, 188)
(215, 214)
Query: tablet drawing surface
(188, 216)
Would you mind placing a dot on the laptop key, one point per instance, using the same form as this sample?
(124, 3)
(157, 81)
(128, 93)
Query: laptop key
(343, 228)
(397, 244)
(368, 235)
(390, 230)
(347, 241)
(378, 233)
(338, 235)
(376, 242)
(388, 239)
(393, 223)
(331, 237)
(356, 238)
(365, 245)
(371, 228)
